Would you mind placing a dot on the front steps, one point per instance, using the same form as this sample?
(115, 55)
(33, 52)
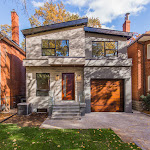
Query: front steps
(66, 111)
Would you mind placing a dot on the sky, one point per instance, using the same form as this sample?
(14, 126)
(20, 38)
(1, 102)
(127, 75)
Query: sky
(110, 12)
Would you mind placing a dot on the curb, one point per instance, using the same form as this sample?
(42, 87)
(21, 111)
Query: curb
(145, 114)
(7, 118)
(139, 145)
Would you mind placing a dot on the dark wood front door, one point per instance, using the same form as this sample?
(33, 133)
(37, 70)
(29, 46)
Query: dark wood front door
(107, 95)
(68, 86)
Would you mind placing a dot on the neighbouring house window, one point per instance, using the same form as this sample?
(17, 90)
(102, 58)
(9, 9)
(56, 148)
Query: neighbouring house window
(148, 83)
(148, 51)
(55, 47)
(106, 49)
(43, 84)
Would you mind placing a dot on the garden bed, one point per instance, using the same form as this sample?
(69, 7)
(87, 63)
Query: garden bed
(33, 120)
(4, 116)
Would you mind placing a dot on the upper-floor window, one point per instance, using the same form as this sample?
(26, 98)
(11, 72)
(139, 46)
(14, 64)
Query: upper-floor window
(55, 47)
(104, 48)
(148, 51)
(43, 84)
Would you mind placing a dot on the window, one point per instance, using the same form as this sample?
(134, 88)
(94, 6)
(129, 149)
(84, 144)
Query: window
(106, 49)
(148, 83)
(55, 47)
(148, 51)
(43, 84)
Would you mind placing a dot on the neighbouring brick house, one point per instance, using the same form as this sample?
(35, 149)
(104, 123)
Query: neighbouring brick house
(65, 60)
(12, 76)
(139, 51)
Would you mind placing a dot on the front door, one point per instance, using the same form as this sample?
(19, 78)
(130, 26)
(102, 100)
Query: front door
(68, 86)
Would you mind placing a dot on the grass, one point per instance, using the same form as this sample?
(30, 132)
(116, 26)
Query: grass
(13, 137)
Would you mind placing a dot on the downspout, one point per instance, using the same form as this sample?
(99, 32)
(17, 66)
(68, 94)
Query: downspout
(0, 74)
(144, 76)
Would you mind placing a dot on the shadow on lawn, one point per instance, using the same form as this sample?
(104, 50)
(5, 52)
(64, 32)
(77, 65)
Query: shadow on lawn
(29, 138)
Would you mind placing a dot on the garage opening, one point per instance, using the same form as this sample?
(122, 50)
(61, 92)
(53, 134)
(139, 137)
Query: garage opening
(107, 95)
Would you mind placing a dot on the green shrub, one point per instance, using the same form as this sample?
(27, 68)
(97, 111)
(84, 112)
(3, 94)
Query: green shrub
(146, 101)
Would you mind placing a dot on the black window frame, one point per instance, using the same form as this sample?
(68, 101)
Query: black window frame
(54, 48)
(43, 89)
(105, 49)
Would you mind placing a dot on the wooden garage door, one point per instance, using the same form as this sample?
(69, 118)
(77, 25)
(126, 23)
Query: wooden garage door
(107, 95)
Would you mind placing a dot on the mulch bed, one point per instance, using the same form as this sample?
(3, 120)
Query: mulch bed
(4, 116)
(33, 120)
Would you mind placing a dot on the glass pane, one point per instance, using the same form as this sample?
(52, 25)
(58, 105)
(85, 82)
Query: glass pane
(62, 48)
(111, 45)
(51, 43)
(48, 52)
(98, 49)
(111, 53)
(42, 81)
(44, 43)
(42, 93)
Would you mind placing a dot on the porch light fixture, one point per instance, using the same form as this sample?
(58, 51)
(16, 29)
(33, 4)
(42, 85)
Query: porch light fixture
(57, 77)
(79, 77)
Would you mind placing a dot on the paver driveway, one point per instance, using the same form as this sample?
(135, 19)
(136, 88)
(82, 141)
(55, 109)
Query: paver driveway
(131, 127)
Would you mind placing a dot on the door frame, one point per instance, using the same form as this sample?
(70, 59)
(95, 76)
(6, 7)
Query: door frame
(74, 86)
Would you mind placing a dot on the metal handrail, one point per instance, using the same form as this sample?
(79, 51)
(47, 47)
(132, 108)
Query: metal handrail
(82, 97)
(52, 99)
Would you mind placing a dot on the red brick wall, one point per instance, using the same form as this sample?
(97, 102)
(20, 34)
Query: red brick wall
(12, 74)
(147, 66)
(135, 52)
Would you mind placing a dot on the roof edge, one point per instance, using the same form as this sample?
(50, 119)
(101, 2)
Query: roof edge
(5, 38)
(108, 32)
(136, 40)
(55, 26)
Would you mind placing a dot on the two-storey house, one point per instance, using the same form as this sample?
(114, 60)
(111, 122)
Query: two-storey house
(78, 65)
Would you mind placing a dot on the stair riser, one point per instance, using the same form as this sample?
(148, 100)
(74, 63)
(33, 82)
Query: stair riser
(61, 111)
(66, 118)
(66, 108)
(70, 115)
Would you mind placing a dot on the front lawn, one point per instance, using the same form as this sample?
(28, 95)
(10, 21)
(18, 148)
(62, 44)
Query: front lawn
(13, 137)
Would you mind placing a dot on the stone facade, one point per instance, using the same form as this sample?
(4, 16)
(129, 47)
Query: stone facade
(75, 35)
(107, 68)
(79, 61)
(55, 86)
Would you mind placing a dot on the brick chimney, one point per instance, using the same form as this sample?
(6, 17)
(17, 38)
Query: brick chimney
(15, 26)
(126, 25)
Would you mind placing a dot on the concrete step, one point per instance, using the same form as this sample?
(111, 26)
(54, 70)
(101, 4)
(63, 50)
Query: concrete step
(66, 114)
(66, 118)
(67, 111)
(65, 106)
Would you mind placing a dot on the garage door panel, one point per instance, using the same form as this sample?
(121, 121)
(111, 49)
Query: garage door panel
(107, 95)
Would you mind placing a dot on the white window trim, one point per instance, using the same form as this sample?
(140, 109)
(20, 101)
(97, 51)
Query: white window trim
(148, 83)
(147, 51)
